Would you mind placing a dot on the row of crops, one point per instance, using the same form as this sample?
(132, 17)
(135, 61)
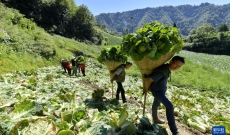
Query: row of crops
(46, 101)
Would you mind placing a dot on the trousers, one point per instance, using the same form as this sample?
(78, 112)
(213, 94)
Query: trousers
(160, 97)
(121, 90)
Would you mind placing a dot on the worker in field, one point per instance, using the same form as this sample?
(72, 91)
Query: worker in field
(81, 62)
(63, 65)
(119, 76)
(68, 67)
(74, 66)
(157, 84)
(83, 69)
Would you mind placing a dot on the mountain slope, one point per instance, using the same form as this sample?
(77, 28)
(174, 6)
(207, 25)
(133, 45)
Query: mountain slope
(187, 17)
(26, 46)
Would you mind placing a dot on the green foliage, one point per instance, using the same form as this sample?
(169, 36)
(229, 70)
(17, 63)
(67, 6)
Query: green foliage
(25, 108)
(63, 125)
(20, 125)
(66, 97)
(187, 17)
(112, 54)
(20, 49)
(145, 124)
(205, 39)
(202, 73)
(116, 118)
(25, 49)
(223, 28)
(98, 128)
(205, 29)
(33, 80)
(35, 127)
(66, 132)
(112, 40)
(153, 41)
(98, 94)
(81, 59)
(55, 16)
(49, 77)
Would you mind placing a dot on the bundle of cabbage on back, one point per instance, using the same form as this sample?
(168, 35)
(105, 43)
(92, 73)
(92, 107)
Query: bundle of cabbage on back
(151, 46)
(112, 58)
(81, 59)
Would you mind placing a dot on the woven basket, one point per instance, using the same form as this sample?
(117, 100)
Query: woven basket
(146, 65)
(112, 65)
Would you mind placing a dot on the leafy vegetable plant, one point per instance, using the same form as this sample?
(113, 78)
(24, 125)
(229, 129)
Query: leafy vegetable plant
(81, 59)
(153, 41)
(112, 54)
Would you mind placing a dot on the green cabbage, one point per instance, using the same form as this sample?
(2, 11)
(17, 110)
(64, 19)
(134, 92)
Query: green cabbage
(112, 54)
(153, 41)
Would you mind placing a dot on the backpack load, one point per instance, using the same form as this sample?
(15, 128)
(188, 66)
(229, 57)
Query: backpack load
(81, 59)
(151, 46)
(112, 58)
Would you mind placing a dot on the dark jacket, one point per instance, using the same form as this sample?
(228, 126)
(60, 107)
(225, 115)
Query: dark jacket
(120, 73)
(160, 76)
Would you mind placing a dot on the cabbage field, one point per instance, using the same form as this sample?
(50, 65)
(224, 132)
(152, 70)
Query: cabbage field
(47, 102)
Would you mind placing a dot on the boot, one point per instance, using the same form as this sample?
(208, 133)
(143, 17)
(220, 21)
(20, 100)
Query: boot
(177, 133)
(158, 121)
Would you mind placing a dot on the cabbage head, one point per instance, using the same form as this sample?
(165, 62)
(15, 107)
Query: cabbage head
(152, 41)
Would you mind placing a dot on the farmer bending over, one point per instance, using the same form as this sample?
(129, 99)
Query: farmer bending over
(157, 83)
(119, 76)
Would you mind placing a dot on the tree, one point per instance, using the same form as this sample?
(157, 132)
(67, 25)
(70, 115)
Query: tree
(30, 8)
(83, 23)
(174, 24)
(223, 28)
(63, 12)
(205, 29)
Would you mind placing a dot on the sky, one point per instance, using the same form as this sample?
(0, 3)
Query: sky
(112, 6)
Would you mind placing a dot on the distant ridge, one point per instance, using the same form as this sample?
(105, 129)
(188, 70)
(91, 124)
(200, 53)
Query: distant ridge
(186, 17)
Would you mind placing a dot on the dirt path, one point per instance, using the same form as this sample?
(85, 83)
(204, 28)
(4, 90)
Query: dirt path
(183, 129)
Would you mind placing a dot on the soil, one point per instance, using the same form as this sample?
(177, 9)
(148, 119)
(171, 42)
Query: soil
(183, 128)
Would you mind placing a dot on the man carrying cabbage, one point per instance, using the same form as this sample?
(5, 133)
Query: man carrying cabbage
(157, 83)
(119, 76)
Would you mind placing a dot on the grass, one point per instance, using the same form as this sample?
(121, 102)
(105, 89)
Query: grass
(113, 40)
(27, 46)
(200, 73)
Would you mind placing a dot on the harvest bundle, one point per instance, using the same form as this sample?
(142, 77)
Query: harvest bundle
(151, 46)
(112, 57)
(81, 59)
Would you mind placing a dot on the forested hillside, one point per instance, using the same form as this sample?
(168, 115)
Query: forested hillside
(61, 17)
(186, 17)
(25, 46)
(204, 28)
